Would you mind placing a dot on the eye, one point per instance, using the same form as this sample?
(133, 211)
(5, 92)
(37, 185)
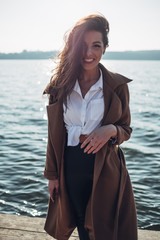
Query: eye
(97, 46)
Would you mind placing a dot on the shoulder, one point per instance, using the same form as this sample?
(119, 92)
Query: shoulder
(114, 80)
(52, 92)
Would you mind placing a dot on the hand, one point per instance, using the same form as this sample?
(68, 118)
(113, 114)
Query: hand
(53, 184)
(98, 138)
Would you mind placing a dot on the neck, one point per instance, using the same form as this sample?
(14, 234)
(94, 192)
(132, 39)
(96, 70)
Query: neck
(90, 75)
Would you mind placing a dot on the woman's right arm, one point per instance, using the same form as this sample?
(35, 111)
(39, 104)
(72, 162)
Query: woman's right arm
(53, 184)
(50, 171)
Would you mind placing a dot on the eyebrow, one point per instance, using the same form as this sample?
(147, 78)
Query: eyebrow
(97, 42)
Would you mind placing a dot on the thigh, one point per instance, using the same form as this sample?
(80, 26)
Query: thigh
(79, 169)
(77, 162)
(79, 189)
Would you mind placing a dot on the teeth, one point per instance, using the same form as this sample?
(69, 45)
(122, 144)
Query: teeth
(88, 60)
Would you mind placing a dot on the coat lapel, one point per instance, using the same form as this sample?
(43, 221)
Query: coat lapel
(113, 108)
(112, 113)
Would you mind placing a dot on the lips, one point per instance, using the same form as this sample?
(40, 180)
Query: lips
(88, 60)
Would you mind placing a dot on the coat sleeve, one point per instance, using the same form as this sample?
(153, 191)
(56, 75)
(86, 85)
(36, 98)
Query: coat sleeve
(50, 171)
(123, 124)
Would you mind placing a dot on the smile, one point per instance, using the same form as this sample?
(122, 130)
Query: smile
(88, 60)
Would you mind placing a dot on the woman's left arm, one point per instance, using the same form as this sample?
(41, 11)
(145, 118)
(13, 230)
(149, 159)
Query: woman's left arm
(123, 124)
(120, 130)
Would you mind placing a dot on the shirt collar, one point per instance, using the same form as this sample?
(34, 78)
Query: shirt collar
(98, 85)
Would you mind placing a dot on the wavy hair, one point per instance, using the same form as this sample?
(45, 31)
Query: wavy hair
(69, 67)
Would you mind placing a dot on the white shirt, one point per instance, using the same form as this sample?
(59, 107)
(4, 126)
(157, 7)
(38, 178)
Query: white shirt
(83, 115)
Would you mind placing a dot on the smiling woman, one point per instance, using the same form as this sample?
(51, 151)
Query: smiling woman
(92, 50)
(70, 67)
(88, 118)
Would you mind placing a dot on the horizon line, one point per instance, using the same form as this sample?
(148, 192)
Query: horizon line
(55, 50)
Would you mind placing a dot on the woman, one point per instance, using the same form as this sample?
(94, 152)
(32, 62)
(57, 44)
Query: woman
(88, 118)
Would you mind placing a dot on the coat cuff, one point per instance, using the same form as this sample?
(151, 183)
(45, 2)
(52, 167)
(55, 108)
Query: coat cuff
(50, 175)
(123, 133)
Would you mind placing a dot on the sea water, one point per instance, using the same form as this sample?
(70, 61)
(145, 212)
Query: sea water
(23, 136)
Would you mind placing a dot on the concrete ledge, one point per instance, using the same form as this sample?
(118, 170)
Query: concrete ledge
(13, 227)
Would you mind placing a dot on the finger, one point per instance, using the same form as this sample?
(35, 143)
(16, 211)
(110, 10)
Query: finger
(52, 199)
(51, 196)
(91, 150)
(54, 195)
(98, 148)
(88, 139)
(91, 147)
(91, 142)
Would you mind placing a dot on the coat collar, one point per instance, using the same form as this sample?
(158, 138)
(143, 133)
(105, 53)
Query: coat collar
(113, 108)
(113, 80)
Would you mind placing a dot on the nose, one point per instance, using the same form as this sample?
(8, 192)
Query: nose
(88, 51)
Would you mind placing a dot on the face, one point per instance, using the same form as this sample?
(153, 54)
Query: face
(93, 49)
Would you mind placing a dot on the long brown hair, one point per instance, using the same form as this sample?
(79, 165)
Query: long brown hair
(69, 66)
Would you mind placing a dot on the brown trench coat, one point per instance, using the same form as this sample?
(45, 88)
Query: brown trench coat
(111, 212)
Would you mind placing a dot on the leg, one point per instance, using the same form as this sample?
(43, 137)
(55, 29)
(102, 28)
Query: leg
(79, 191)
(79, 178)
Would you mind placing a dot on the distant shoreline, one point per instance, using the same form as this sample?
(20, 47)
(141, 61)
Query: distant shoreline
(114, 55)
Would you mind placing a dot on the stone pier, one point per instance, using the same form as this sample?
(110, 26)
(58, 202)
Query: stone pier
(13, 227)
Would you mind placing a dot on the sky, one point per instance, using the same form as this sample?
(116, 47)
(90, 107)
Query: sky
(41, 24)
